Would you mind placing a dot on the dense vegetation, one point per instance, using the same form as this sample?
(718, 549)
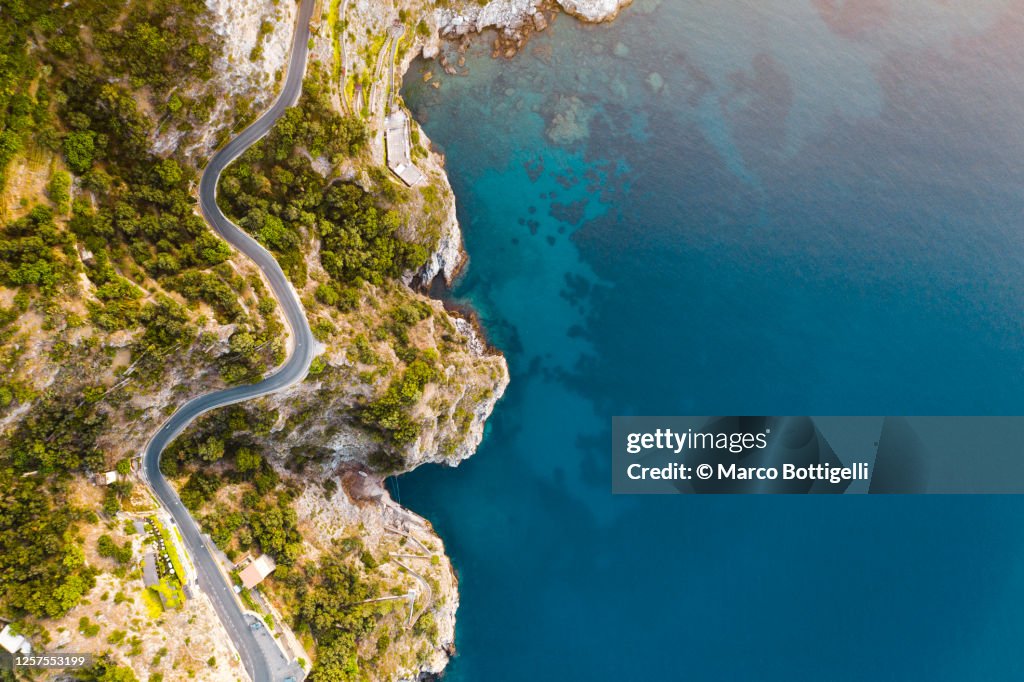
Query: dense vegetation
(76, 93)
(133, 219)
(327, 598)
(21, 115)
(117, 230)
(35, 253)
(42, 568)
(331, 609)
(132, 222)
(222, 452)
(275, 193)
(43, 46)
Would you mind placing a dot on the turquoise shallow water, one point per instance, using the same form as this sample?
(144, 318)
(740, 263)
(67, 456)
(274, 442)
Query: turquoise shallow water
(740, 208)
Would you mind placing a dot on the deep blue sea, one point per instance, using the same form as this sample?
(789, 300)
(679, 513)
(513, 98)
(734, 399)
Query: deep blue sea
(735, 207)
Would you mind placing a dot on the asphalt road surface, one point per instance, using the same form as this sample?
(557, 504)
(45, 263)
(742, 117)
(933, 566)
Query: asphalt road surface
(255, 658)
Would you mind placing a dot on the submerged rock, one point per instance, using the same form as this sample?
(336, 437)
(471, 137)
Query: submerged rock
(655, 82)
(570, 121)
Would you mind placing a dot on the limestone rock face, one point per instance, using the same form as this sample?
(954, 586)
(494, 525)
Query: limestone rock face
(447, 257)
(514, 17)
(593, 10)
(504, 15)
(255, 37)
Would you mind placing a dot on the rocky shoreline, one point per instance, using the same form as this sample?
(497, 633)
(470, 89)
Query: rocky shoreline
(513, 22)
(516, 20)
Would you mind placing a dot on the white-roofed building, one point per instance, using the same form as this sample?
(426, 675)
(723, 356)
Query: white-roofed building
(15, 644)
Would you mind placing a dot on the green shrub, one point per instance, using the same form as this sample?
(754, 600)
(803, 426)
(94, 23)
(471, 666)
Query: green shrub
(59, 190)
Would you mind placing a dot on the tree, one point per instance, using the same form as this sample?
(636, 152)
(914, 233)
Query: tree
(79, 149)
(247, 460)
(390, 412)
(106, 547)
(211, 449)
(168, 173)
(337, 662)
(42, 573)
(107, 671)
(59, 190)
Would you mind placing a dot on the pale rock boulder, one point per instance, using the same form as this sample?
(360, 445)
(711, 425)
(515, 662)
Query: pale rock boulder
(593, 10)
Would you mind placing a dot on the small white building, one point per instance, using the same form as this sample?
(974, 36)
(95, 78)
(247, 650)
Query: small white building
(15, 644)
(110, 477)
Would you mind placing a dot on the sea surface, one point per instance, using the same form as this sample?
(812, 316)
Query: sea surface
(735, 207)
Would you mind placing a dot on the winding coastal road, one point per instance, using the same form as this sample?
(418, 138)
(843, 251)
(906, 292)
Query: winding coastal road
(210, 579)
